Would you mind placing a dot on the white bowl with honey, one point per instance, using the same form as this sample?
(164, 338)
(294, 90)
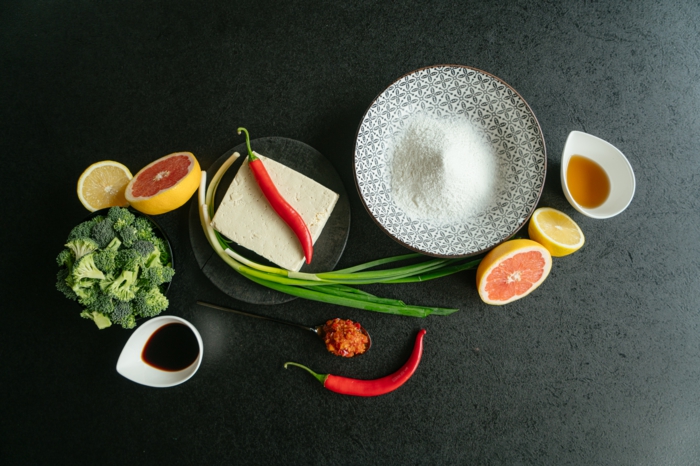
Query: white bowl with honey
(596, 177)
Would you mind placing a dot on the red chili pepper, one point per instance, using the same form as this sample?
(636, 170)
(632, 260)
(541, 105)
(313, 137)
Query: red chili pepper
(286, 212)
(347, 386)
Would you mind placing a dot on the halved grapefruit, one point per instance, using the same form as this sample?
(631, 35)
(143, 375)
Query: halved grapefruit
(512, 270)
(165, 184)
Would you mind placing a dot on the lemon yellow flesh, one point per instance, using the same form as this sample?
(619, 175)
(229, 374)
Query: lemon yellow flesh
(556, 231)
(103, 184)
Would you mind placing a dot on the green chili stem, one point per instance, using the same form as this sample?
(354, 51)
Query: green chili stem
(320, 377)
(251, 156)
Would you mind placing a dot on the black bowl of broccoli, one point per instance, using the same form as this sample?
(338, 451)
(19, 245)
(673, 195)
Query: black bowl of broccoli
(118, 265)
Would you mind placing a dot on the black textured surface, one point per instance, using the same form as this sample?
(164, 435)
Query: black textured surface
(328, 248)
(600, 365)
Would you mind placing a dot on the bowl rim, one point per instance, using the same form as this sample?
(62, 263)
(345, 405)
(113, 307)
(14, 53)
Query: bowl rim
(526, 218)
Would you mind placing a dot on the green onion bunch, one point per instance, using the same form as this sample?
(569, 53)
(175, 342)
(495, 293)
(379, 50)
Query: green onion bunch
(337, 287)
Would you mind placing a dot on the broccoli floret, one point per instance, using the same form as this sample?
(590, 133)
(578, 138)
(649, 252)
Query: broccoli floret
(123, 315)
(128, 235)
(105, 259)
(87, 291)
(150, 303)
(84, 230)
(144, 228)
(115, 267)
(143, 247)
(114, 244)
(65, 258)
(100, 320)
(152, 277)
(63, 286)
(81, 246)
(120, 217)
(85, 268)
(162, 246)
(128, 259)
(123, 287)
(153, 259)
(103, 232)
(104, 284)
(103, 304)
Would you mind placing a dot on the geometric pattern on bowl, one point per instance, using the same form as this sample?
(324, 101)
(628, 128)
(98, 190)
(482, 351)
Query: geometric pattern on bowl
(453, 91)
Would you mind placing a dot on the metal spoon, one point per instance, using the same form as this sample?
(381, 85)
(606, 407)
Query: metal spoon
(319, 330)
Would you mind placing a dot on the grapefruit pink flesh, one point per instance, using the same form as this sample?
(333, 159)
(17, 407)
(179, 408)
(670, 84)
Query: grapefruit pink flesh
(512, 270)
(515, 275)
(161, 175)
(164, 184)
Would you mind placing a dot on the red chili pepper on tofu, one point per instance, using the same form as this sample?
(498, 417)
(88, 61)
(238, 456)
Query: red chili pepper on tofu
(348, 386)
(286, 212)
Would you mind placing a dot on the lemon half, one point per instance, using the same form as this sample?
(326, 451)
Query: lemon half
(556, 231)
(103, 184)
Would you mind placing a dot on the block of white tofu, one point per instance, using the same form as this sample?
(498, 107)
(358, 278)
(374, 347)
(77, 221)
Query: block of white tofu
(246, 217)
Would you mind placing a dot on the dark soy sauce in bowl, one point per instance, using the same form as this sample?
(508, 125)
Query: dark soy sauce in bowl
(173, 347)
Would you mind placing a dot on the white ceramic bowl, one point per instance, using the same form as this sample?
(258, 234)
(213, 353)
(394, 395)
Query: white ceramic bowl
(460, 93)
(615, 164)
(132, 366)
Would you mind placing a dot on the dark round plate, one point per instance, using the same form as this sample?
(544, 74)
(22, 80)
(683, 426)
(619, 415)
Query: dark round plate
(328, 248)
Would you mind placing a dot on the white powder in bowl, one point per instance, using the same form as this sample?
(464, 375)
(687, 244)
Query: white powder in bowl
(442, 171)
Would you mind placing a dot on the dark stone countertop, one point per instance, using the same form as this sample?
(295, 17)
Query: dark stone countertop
(600, 365)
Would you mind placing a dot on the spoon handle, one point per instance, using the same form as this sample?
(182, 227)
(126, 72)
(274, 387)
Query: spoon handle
(257, 316)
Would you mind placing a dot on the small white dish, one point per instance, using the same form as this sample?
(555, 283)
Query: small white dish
(615, 164)
(132, 366)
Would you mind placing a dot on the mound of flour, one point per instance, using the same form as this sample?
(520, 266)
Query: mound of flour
(442, 171)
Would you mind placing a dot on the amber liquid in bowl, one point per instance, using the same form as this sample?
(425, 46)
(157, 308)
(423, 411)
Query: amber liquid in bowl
(588, 183)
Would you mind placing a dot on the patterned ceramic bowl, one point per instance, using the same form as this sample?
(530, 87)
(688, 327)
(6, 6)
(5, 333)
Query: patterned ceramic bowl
(495, 110)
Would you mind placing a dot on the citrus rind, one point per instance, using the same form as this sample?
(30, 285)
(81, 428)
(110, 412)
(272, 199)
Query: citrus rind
(103, 185)
(521, 282)
(170, 198)
(558, 224)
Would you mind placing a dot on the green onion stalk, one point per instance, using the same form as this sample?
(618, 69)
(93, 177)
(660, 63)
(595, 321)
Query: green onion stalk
(337, 287)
